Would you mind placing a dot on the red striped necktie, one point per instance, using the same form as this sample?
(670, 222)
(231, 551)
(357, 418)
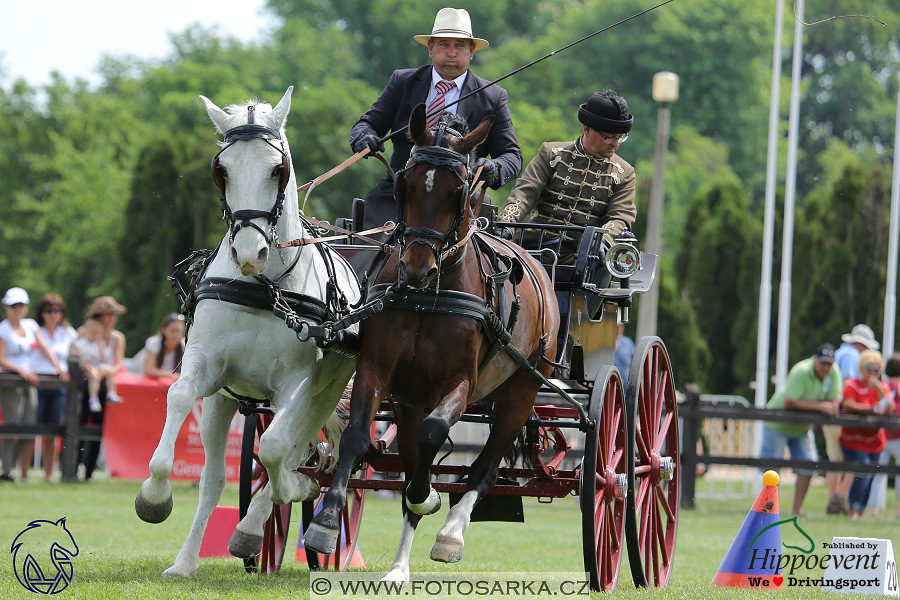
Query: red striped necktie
(437, 105)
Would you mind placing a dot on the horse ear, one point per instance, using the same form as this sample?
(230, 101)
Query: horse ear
(469, 142)
(284, 107)
(418, 129)
(218, 116)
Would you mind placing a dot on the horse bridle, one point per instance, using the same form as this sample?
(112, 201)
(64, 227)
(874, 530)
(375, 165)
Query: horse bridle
(438, 156)
(244, 218)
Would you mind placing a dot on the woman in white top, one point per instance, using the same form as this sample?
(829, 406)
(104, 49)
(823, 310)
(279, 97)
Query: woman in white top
(51, 405)
(164, 350)
(20, 343)
(106, 310)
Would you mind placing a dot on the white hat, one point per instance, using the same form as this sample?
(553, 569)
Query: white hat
(15, 295)
(452, 23)
(861, 334)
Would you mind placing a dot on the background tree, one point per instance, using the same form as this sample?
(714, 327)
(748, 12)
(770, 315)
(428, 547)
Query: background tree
(158, 232)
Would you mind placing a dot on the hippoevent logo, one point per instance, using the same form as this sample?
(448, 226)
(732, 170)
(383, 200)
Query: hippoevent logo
(42, 556)
(864, 556)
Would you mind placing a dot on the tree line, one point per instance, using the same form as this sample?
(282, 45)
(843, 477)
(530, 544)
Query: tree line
(105, 189)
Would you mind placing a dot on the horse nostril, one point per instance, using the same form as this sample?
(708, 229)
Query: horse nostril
(432, 272)
(234, 256)
(263, 255)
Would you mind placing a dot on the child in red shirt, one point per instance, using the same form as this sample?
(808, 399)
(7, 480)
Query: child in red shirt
(866, 396)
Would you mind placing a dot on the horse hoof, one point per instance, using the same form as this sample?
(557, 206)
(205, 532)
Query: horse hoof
(150, 513)
(315, 490)
(431, 505)
(175, 571)
(244, 545)
(447, 550)
(320, 539)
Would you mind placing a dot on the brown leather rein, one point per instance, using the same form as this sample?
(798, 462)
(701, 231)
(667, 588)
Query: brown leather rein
(346, 234)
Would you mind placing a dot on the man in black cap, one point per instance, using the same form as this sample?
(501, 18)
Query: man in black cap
(582, 182)
(814, 385)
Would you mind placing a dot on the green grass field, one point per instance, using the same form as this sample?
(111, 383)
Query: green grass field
(123, 557)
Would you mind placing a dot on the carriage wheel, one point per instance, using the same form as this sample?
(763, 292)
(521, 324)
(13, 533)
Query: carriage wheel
(652, 514)
(253, 478)
(348, 526)
(604, 481)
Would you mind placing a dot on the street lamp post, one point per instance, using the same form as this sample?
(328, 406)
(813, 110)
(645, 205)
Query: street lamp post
(665, 91)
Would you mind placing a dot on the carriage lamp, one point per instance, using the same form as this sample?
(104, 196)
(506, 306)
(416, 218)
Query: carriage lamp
(622, 259)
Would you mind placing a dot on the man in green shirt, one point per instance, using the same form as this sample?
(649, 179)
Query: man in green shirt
(814, 384)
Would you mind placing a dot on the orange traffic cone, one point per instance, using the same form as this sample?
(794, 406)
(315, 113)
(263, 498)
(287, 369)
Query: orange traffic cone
(752, 559)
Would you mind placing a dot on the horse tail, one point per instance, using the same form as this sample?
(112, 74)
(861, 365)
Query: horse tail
(527, 440)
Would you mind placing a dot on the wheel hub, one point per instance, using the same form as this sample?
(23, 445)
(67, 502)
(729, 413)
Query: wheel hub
(666, 468)
(616, 485)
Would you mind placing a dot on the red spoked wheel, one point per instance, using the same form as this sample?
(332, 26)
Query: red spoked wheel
(604, 481)
(253, 478)
(653, 475)
(348, 532)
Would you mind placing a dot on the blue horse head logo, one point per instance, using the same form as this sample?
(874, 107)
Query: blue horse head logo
(42, 556)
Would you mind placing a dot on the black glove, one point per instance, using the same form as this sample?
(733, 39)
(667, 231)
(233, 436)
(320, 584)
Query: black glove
(368, 139)
(490, 174)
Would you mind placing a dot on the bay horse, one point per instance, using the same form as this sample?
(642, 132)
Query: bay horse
(436, 364)
(238, 350)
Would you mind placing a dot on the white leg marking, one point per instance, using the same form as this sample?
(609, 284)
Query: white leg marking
(399, 571)
(431, 505)
(449, 544)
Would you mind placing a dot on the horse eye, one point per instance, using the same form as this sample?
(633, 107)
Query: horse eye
(277, 171)
(222, 171)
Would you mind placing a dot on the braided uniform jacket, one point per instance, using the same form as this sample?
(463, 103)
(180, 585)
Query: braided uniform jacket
(567, 186)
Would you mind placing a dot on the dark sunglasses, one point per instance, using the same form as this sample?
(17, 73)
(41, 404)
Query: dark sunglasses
(17, 305)
(873, 368)
(51, 310)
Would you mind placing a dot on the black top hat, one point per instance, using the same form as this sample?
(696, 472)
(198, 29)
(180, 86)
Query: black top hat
(602, 114)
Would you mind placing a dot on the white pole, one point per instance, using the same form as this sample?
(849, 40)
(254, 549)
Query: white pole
(648, 307)
(790, 188)
(765, 287)
(890, 295)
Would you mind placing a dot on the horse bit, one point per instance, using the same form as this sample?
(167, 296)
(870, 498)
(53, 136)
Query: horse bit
(244, 218)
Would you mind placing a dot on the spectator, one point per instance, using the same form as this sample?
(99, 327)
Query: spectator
(164, 350)
(624, 352)
(51, 404)
(864, 396)
(812, 385)
(90, 349)
(891, 445)
(106, 310)
(20, 342)
(860, 338)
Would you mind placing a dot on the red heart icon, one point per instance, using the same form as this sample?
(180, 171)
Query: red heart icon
(778, 579)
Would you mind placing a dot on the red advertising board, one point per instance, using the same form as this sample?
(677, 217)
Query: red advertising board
(131, 432)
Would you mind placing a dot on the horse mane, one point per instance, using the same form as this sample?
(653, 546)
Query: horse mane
(262, 112)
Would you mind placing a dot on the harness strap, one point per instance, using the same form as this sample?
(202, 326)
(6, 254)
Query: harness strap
(346, 235)
(255, 295)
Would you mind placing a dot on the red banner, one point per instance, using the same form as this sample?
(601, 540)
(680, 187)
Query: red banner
(131, 432)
